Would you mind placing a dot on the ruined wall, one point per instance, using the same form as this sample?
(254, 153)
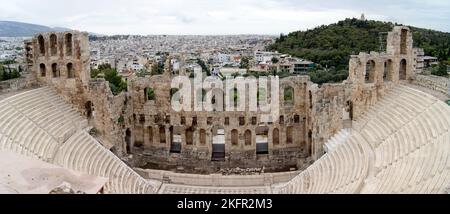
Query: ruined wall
(24, 82)
(61, 60)
(155, 124)
(108, 114)
(440, 84)
(145, 126)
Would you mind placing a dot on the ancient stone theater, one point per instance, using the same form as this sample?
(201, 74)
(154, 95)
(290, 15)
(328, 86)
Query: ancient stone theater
(373, 133)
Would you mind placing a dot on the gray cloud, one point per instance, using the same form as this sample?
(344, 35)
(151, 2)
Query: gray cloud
(218, 16)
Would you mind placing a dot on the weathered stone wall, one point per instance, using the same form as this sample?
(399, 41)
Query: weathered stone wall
(217, 179)
(24, 82)
(105, 113)
(440, 84)
(61, 60)
(153, 117)
(147, 128)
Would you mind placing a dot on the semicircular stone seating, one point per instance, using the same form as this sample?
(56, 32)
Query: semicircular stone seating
(400, 145)
(39, 124)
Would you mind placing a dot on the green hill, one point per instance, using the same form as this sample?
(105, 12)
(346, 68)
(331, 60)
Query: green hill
(331, 45)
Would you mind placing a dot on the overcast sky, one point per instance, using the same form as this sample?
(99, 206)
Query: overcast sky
(219, 16)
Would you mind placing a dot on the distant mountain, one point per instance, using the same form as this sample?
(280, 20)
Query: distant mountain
(19, 29)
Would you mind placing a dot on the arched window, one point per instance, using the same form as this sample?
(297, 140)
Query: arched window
(55, 70)
(175, 139)
(404, 41)
(189, 136)
(262, 140)
(88, 108)
(41, 43)
(218, 144)
(402, 72)
(289, 135)
(370, 72)
(162, 135)
(70, 73)
(53, 45)
(388, 69)
(234, 137)
(248, 138)
(43, 70)
(68, 44)
(276, 137)
(128, 140)
(149, 94)
(288, 95)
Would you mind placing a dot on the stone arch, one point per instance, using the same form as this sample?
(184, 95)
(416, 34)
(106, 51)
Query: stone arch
(388, 70)
(88, 108)
(218, 144)
(53, 45)
(55, 70)
(404, 41)
(297, 118)
(175, 139)
(248, 138)
(68, 43)
(276, 137)
(289, 95)
(234, 137)
(70, 72)
(41, 44)
(149, 94)
(402, 70)
(43, 70)
(189, 136)
(128, 140)
(290, 135)
(262, 140)
(370, 71)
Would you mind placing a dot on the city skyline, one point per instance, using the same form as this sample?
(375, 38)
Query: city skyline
(174, 17)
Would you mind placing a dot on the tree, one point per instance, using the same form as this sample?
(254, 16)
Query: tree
(245, 63)
(157, 68)
(205, 68)
(116, 83)
(440, 70)
(275, 60)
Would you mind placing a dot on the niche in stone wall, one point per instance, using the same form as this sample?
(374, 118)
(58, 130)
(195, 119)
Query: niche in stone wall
(388, 70)
(43, 70)
(402, 71)
(41, 44)
(403, 41)
(262, 140)
(68, 44)
(70, 73)
(53, 45)
(370, 72)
